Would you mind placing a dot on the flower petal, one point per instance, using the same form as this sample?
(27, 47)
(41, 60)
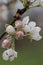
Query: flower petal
(25, 20)
(36, 3)
(10, 30)
(12, 58)
(36, 37)
(5, 56)
(26, 28)
(15, 54)
(32, 24)
(12, 54)
(35, 33)
(38, 29)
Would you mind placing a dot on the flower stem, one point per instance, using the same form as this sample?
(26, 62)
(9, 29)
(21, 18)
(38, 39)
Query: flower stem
(27, 35)
(13, 42)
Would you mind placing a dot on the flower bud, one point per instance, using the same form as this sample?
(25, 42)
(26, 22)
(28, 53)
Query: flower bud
(6, 43)
(18, 24)
(20, 34)
(10, 30)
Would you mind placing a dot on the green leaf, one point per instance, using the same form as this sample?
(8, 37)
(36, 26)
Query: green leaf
(21, 1)
(6, 25)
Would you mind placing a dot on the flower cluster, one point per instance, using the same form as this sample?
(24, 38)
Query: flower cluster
(32, 3)
(19, 31)
(37, 3)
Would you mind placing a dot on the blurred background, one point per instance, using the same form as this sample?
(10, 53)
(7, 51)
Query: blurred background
(8, 8)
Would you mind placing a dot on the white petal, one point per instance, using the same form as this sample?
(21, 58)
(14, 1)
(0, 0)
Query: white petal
(36, 3)
(5, 56)
(36, 37)
(32, 24)
(35, 33)
(29, 27)
(14, 56)
(10, 30)
(25, 20)
(10, 52)
(38, 29)
(35, 29)
(26, 28)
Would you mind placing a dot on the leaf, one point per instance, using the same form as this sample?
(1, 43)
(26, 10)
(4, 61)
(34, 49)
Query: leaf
(21, 1)
(6, 25)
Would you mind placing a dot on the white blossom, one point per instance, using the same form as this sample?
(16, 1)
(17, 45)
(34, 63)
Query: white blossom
(35, 33)
(33, 30)
(9, 54)
(31, 25)
(10, 30)
(5, 56)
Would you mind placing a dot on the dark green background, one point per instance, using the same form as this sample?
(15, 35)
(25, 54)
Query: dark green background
(28, 53)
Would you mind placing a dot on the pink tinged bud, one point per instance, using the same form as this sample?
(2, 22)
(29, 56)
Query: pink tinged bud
(18, 24)
(20, 34)
(6, 43)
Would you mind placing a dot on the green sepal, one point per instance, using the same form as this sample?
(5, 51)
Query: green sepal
(6, 25)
